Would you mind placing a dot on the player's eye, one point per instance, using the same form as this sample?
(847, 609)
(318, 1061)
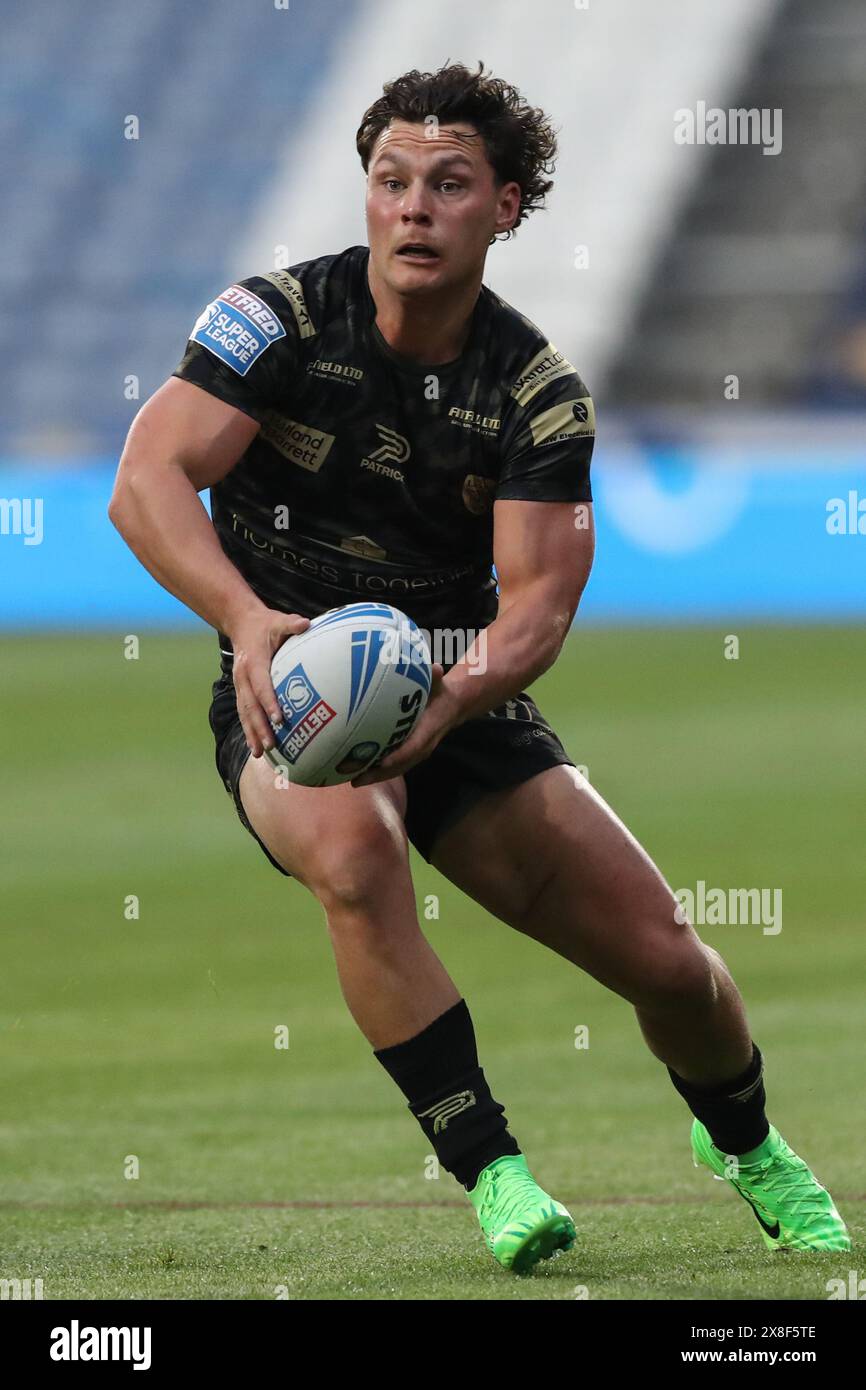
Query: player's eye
(449, 183)
(392, 183)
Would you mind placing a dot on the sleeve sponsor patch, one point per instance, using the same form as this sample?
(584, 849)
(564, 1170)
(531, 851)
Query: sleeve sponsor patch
(294, 293)
(546, 366)
(237, 328)
(567, 420)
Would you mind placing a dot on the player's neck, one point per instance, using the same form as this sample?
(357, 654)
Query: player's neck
(431, 330)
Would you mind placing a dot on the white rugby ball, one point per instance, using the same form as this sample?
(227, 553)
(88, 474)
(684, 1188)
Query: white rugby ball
(351, 688)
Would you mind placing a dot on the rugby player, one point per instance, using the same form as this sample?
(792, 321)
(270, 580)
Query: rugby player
(414, 429)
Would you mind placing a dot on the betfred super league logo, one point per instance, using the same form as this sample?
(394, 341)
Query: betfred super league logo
(305, 713)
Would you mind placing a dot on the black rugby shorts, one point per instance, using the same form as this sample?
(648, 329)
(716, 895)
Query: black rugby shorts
(488, 753)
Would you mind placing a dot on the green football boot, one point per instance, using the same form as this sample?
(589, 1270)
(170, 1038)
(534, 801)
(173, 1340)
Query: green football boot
(522, 1224)
(792, 1208)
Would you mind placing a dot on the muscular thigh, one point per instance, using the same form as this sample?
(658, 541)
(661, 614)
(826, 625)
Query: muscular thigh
(326, 835)
(552, 859)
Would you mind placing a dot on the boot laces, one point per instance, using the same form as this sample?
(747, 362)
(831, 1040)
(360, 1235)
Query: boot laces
(791, 1185)
(508, 1195)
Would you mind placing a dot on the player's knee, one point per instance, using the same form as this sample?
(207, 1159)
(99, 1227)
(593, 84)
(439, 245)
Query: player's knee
(350, 873)
(675, 974)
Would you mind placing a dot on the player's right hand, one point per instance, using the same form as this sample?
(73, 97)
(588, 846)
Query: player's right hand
(255, 638)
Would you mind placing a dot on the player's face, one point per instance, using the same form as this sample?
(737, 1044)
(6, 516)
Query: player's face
(433, 205)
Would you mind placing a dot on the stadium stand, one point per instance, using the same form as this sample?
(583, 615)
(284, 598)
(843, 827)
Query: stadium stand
(112, 244)
(764, 274)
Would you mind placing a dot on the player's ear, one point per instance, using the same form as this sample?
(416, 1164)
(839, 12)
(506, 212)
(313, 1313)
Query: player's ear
(508, 209)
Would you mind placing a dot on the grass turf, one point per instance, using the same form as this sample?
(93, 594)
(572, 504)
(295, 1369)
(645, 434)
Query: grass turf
(298, 1172)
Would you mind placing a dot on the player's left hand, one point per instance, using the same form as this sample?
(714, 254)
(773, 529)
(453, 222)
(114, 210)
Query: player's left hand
(440, 714)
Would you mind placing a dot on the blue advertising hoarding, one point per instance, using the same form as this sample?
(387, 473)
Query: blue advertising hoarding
(683, 535)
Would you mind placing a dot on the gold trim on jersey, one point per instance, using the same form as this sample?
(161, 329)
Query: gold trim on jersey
(292, 290)
(546, 366)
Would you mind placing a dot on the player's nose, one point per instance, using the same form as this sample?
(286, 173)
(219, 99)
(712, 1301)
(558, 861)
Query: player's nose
(416, 205)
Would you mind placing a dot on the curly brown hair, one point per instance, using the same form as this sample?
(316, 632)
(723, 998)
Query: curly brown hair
(519, 140)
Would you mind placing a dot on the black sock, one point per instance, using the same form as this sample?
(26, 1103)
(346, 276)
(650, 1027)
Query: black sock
(439, 1075)
(733, 1112)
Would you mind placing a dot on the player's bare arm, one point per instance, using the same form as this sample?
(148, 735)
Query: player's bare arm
(182, 441)
(543, 561)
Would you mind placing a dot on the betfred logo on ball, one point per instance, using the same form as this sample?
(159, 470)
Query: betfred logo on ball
(305, 713)
(364, 681)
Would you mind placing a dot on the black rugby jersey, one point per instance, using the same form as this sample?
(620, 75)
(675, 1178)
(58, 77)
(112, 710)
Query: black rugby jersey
(373, 476)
